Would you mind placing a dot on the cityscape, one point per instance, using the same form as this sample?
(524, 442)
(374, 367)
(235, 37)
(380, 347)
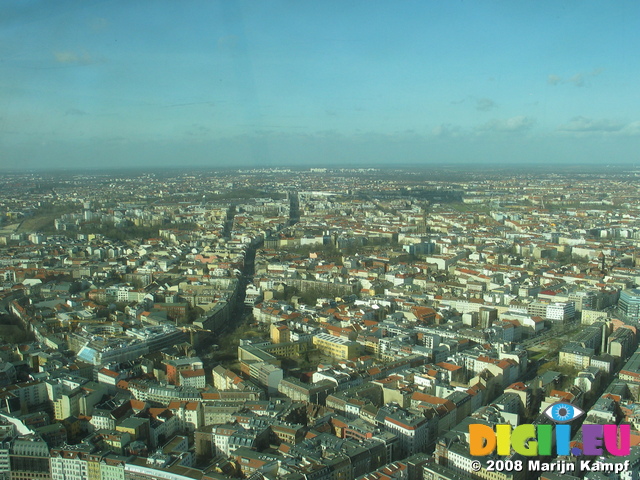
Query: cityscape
(313, 323)
(319, 240)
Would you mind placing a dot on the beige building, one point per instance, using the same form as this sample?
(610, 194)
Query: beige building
(575, 356)
(280, 333)
(191, 414)
(591, 316)
(336, 347)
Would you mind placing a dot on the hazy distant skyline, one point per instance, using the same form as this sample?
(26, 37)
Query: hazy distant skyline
(223, 83)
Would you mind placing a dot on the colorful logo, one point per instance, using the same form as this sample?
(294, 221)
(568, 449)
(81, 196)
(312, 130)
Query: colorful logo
(530, 440)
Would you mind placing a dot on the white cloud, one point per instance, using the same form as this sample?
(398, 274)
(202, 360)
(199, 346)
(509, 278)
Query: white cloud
(520, 123)
(577, 80)
(631, 129)
(583, 125)
(446, 130)
(554, 79)
(485, 104)
(98, 24)
(73, 58)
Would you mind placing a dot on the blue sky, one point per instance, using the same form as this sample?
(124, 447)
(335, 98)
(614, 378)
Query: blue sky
(222, 83)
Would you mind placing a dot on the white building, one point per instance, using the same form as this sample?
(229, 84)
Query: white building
(266, 374)
(190, 414)
(68, 465)
(103, 421)
(561, 311)
(411, 430)
(193, 378)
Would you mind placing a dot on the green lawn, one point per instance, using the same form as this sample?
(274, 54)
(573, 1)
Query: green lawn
(538, 356)
(469, 207)
(38, 223)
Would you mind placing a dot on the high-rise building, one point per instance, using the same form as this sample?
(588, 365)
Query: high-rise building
(629, 303)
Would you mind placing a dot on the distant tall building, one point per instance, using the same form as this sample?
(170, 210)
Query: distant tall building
(487, 316)
(561, 311)
(30, 459)
(412, 430)
(629, 303)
